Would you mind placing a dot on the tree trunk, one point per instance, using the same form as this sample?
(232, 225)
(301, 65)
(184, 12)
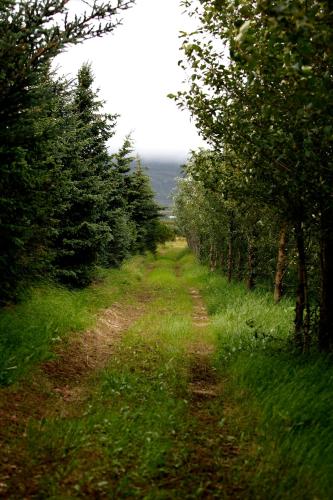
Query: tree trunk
(326, 292)
(240, 265)
(194, 245)
(281, 264)
(251, 260)
(230, 249)
(302, 310)
(212, 258)
(222, 259)
(230, 259)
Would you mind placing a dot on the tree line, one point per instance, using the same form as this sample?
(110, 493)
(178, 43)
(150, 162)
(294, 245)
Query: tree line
(260, 202)
(67, 205)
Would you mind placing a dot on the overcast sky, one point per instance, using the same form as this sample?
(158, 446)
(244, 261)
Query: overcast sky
(135, 68)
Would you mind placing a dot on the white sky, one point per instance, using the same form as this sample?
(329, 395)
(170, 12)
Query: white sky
(135, 68)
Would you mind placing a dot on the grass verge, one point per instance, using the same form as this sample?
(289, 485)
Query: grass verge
(29, 331)
(284, 401)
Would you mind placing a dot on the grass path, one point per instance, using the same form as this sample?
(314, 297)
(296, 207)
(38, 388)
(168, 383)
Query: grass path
(184, 388)
(132, 408)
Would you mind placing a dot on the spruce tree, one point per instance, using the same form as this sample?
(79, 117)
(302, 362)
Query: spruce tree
(123, 229)
(84, 231)
(32, 33)
(143, 209)
(30, 164)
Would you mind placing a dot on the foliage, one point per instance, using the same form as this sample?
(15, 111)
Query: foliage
(260, 93)
(165, 231)
(67, 204)
(31, 140)
(143, 209)
(224, 224)
(30, 167)
(83, 231)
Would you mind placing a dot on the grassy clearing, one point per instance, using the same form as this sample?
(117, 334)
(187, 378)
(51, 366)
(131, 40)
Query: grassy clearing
(29, 331)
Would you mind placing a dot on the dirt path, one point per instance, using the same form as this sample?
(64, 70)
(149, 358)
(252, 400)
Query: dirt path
(203, 382)
(57, 389)
(90, 352)
(60, 391)
(213, 453)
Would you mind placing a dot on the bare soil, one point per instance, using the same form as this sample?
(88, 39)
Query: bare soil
(214, 453)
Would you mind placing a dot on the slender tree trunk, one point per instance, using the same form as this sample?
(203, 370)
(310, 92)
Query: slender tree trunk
(194, 245)
(230, 249)
(191, 243)
(326, 292)
(230, 259)
(302, 311)
(199, 249)
(281, 264)
(240, 265)
(222, 259)
(251, 261)
(212, 258)
(188, 241)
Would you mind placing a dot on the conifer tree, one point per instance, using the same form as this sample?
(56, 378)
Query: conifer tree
(84, 231)
(32, 33)
(31, 173)
(122, 227)
(143, 209)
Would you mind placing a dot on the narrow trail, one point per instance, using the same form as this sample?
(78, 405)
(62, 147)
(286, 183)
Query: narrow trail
(85, 354)
(203, 381)
(212, 453)
(187, 452)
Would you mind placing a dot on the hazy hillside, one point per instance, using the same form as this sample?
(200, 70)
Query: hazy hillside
(163, 174)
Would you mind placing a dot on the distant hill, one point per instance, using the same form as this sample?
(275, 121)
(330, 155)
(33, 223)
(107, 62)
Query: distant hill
(163, 175)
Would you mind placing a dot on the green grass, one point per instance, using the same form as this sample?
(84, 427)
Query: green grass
(134, 434)
(129, 428)
(136, 421)
(288, 397)
(30, 330)
(293, 398)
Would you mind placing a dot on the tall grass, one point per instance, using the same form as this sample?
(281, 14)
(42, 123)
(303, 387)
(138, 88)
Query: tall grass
(29, 331)
(287, 398)
(293, 398)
